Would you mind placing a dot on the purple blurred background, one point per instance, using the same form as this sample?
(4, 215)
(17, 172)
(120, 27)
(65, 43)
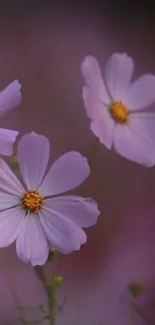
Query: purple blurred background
(42, 44)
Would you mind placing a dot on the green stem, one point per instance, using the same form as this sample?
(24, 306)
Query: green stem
(51, 292)
(41, 275)
(52, 303)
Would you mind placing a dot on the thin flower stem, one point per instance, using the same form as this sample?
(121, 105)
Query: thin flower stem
(52, 295)
(51, 290)
(52, 304)
(54, 291)
(10, 280)
(41, 275)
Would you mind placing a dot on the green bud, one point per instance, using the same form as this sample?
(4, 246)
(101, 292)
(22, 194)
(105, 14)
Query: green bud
(43, 308)
(57, 279)
(14, 162)
(52, 255)
(136, 288)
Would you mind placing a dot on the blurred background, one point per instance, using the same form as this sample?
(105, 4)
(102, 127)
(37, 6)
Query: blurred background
(42, 43)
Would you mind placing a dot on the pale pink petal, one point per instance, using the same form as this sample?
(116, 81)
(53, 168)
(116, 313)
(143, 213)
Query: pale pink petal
(82, 211)
(8, 181)
(93, 79)
(33, 154)
(68, 172)
(10, 224)
(62, 233)
(141, 93)
(7, 139)
(31, 244)
(95, 108)
(8, 201)
(135, 142)
(144, 124)
(10, 97)
(104, 130)
(118, 74)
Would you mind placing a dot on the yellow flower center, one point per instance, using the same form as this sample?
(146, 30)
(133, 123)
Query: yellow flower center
(32, 201)
(119, 112)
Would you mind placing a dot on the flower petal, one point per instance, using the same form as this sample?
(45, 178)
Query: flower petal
(82, 211)
(135, 141)
(31, 244)
(118, 74)
(7, 139)
(33, 153)
(62, 233)
(8, 181)
(10, 224)
(10, 97)
(104, 130)
(144, 124)
(8, 201)
(141, 93)
(95, 108)
(68, 172)
(93, 79)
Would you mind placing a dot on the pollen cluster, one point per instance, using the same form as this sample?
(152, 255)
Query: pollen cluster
(119, 112)
(32, 201)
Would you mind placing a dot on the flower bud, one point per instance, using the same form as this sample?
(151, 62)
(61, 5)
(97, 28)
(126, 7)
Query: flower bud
(136, 288)
(57, 279)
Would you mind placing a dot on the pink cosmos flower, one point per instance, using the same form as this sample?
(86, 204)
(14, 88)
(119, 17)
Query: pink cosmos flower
(33, 214)
(116, 106)
(9, 98)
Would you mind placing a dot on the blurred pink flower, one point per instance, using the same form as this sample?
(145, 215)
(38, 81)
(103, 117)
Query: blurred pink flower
(9, 98)
(28, 213)
(116, 107)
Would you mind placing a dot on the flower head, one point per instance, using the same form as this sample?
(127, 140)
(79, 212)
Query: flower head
(33, 214)
(10, 97)
(118, 107)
